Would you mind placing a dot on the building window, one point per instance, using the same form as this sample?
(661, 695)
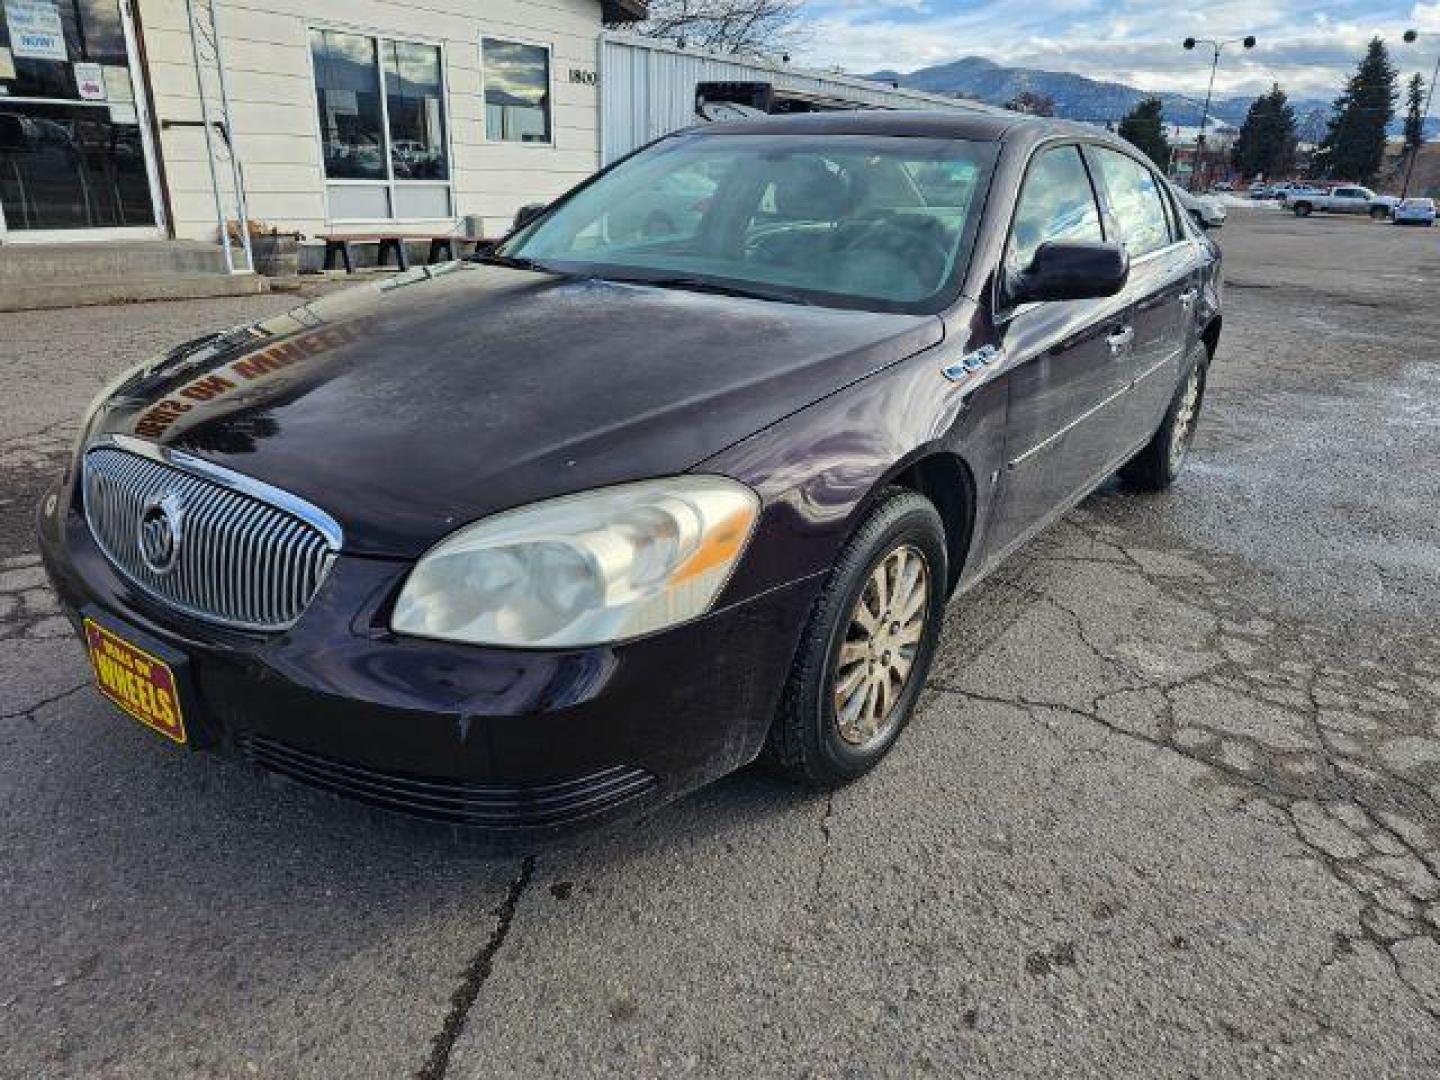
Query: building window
(385, 153)
(517, 91)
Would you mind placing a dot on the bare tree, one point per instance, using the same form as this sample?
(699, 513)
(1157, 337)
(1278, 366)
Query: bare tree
(1033, 103)
(764, 27)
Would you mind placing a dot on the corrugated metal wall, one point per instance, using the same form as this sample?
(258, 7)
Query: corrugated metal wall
(647, 89)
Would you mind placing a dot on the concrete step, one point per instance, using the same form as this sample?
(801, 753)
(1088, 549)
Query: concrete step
(29, 296)
(27, 264)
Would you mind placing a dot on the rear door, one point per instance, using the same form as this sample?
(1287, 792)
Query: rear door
(1162, 288)
(1067, 359)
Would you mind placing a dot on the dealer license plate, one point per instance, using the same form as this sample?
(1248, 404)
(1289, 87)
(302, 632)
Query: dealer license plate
(140, 683)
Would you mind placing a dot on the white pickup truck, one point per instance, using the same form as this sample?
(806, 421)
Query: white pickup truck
(1351, 199)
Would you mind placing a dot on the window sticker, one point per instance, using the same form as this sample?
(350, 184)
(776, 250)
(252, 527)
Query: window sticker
(36, 32)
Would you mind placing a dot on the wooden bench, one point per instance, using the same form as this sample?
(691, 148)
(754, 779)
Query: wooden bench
(339, 244)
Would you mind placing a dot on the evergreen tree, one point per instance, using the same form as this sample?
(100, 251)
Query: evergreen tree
(1266, 144)
(1144, 127)
(1354, 145)
(1414, 114)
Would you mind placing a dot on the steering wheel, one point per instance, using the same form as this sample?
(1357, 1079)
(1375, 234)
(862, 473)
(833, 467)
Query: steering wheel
(906, 242)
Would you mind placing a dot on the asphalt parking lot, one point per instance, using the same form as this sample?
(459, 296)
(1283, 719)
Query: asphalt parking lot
(1171, 805)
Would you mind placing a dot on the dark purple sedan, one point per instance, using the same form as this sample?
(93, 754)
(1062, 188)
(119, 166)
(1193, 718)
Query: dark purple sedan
(607, 513)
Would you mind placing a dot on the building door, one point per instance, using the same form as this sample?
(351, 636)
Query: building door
(76, 160)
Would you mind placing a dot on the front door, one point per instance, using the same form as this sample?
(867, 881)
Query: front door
(1069, 361)
(75, 154)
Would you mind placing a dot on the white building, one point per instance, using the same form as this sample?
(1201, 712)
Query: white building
(342, 115)
(164, 118)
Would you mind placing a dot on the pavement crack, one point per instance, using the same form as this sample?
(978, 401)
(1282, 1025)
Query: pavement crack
(31, 710)
(476, 974)
(825, 835)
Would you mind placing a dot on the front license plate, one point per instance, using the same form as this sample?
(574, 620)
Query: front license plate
(140, 683)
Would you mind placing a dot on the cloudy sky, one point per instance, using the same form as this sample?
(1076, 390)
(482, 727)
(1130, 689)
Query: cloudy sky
(1310, 46)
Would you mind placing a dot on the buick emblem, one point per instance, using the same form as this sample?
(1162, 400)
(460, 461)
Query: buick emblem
(160, 522)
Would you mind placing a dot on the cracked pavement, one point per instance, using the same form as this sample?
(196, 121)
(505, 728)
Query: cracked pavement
(1170, 806)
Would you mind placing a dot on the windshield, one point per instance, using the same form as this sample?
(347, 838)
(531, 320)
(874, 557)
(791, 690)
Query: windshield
(882, 223)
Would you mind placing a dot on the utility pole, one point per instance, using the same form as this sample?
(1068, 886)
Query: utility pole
(1217, 47)
(1410, 37)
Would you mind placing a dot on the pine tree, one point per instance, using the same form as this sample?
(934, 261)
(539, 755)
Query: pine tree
(1354, 145)
(1144, 127)
(1267, 140)
(1414, 115)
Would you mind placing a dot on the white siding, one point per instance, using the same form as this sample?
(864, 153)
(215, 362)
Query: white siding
(648, 89)
(276, 130)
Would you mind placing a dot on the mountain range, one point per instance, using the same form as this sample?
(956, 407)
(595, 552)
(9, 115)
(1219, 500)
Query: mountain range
(1079, 98)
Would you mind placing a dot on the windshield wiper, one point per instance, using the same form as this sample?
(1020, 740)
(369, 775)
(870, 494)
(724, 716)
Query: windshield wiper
(694, 284)
(513, 262)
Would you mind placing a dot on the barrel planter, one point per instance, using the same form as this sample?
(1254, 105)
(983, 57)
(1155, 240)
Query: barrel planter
(276, 254)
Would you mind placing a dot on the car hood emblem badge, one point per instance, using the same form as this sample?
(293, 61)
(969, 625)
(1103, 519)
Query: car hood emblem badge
(160, 533)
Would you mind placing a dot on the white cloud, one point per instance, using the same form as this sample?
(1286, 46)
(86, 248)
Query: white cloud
(1309, 47)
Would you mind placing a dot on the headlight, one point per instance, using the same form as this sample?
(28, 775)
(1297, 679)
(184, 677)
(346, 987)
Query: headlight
(585, 569)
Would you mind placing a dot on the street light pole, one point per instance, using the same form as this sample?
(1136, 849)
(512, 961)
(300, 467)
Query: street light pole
(1410, 37)
(1217, 47)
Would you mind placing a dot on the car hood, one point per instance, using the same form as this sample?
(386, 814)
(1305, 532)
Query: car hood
(410, 407)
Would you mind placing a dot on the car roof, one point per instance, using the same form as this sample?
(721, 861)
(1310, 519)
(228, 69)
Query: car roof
(989, 126)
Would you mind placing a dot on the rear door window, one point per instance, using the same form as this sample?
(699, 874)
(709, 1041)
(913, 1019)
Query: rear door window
(1136, 202)
(1057, 203)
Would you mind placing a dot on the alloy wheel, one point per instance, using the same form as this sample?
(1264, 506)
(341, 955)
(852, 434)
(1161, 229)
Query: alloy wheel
(881, 642)
(1185, 417)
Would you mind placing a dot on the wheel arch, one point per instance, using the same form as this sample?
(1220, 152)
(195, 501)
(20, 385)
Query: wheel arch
(1211, 335)
(943, 477)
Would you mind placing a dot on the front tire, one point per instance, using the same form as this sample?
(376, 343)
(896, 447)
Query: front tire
(867, 647)
(1156, 466)
(1379, 213)
(1303, 209)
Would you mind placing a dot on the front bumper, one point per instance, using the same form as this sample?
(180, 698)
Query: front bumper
(491, 738)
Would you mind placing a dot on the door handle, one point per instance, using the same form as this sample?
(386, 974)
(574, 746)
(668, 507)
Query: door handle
(1120, 340)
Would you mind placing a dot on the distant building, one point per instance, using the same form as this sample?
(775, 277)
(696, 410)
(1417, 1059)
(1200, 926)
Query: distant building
(1215, 164)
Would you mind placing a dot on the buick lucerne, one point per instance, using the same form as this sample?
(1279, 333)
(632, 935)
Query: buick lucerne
(679, 475)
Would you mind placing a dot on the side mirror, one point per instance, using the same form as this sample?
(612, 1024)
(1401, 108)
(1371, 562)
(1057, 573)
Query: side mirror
(1072, 270)
(528, 213)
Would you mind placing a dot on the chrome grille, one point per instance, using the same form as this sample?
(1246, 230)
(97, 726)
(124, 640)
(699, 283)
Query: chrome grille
(243, 560)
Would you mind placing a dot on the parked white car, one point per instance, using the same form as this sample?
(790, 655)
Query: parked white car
(1414, 212)
(1343, 199)
(1208, 213)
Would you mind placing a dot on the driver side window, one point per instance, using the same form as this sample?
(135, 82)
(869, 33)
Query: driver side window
(1057, 203)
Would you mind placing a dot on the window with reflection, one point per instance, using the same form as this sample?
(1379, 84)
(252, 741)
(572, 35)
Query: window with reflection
(1057, 204)
(417, 111)
(93, 33)
(69, 161)
(517, 91)
(381, 104)
(1136, 202)
(347, 93)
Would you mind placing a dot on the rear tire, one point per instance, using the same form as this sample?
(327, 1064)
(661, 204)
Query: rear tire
(845, 703)
(1156, 466)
